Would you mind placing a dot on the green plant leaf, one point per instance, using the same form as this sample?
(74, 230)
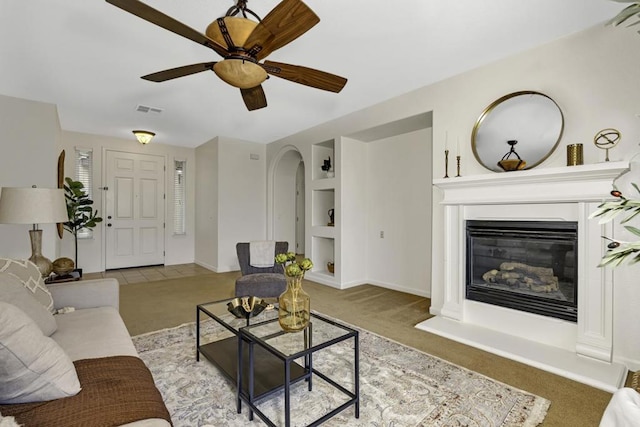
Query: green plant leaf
(79, 208)
(633, 230)
(625, 14)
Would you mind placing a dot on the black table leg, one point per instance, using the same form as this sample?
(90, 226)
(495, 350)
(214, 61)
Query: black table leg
(197, 334)
(287, 389)
(309, 357)
(239, 376)
(251, 379)
(356, 357)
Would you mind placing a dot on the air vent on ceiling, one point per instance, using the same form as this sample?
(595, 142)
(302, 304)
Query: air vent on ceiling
(147, 109)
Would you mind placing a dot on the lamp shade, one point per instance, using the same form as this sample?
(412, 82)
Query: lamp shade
(32, 206)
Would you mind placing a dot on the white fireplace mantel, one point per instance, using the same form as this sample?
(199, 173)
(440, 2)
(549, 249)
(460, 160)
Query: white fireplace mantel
(582, 351)
(560, 185)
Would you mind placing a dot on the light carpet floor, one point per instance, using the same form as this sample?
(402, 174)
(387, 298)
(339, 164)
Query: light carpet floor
(399, 386)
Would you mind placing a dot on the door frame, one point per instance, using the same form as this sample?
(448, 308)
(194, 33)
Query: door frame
(104, 198)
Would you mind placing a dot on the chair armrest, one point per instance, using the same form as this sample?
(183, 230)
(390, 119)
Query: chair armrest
(86, 293)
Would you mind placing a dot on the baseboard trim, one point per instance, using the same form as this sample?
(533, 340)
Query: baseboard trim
(395, 287)
(207, 266)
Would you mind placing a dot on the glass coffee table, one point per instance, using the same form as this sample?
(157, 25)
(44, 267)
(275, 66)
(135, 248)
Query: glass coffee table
(224, 352)
(261, 359)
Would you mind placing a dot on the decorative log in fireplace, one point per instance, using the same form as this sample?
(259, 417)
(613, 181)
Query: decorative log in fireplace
(524, 265)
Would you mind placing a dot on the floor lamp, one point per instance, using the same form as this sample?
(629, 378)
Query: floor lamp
(34, 206)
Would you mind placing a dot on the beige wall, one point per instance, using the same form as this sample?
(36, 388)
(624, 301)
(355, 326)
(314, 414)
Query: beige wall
(398, 204)
(32, 140)
(29, 139)
(231, 194)
(179, 249)
(591, 75)
(207, 182)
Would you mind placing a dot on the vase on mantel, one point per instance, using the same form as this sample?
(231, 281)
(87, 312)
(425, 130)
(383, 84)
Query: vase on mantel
(294, 306)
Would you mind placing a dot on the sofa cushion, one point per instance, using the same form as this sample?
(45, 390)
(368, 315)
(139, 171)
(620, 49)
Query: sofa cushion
(623, 409)
(30, 276)
(93, 332)
(13, 292)
(34, 367)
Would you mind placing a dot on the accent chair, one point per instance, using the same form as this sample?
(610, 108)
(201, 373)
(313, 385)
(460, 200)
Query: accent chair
(263, 282)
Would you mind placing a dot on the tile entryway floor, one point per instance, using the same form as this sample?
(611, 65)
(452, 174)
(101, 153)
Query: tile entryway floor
(151, 273)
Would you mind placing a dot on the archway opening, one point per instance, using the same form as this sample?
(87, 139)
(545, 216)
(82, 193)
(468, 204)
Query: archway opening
(288, 200)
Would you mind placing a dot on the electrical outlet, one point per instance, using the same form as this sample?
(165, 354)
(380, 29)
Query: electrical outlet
(382, 234)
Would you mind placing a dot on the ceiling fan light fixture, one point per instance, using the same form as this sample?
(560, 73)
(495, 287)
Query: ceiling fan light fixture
(144, 136)
(240, 73)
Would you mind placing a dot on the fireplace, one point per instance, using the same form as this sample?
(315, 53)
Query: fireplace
(559, 198)
(524, 265)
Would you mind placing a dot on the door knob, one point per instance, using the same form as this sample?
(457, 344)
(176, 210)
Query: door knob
(109, 225)
(109, 217)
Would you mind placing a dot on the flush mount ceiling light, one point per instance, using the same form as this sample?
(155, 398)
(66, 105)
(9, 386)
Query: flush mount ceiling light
(144, 136)
(242, 43)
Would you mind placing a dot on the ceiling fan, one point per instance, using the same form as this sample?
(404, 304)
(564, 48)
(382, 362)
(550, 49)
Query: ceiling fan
(243, 43)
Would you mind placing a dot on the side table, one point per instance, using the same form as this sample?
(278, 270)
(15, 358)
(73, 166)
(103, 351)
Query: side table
(70, 277)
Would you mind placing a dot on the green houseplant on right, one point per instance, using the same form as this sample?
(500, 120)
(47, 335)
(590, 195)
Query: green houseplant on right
(620, 251)
(79, 209)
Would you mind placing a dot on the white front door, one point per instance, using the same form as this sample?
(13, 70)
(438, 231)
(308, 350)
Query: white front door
(134, 209)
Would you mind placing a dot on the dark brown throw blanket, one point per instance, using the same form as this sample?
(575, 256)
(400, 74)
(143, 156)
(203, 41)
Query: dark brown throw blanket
(115, 390)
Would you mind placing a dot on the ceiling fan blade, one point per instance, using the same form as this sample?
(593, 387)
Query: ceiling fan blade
(174, 73)
(254, 98)
(257, 40)
(154, 16)
(287, 21)
(305, 76)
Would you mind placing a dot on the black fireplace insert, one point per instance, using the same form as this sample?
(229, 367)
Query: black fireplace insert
(524, 265)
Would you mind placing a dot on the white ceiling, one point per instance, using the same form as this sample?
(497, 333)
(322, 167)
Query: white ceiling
(87, 56)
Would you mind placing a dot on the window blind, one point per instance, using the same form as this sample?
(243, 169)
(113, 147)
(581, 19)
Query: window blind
(84, 174)
(179, 195)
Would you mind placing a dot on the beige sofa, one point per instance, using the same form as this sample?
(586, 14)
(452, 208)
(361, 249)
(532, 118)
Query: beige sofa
(92, 329)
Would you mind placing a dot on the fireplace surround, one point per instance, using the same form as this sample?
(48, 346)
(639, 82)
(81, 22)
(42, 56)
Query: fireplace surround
(524, 265)
(580, 349)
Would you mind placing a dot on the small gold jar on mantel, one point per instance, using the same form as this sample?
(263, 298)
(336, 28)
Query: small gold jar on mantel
(574, 155)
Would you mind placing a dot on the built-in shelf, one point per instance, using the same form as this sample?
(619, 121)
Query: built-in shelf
(324, 231)
(321, 152)
(324, 184)
(323, 201)
(324, 274)
(323, 252)
(324, 237)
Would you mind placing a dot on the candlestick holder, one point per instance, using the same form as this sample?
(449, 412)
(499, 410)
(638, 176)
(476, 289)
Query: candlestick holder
(458, 162)
(446, 164)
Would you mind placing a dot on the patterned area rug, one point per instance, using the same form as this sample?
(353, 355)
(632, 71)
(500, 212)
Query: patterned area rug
(399, 386)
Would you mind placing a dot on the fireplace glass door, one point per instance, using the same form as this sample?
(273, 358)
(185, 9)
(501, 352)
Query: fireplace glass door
(524, 265)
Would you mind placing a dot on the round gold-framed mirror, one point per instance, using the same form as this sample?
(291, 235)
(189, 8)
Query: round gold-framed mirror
(517, 131)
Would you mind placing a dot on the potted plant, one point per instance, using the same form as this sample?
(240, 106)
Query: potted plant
(619, 250)
(80, 211)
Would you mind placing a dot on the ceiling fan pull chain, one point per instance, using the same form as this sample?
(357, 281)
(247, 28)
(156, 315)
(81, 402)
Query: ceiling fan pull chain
(225, 33)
